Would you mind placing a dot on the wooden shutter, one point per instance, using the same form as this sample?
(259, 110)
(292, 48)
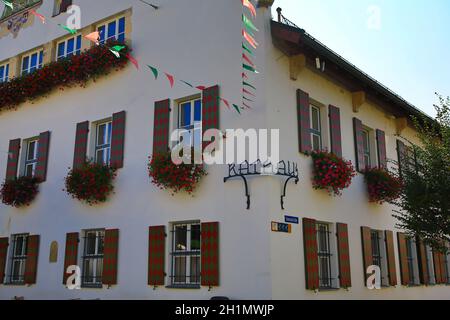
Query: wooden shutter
(156, 255)
(161, 126)
(210, 110)
(118, 139)
(444, 274)
(359, 144)
(345, 280)
(110, 255)
(13, 159)
(210, 254)
(366, 237)
(390, 254)
(403, 256)
(311, 255)
(71, 254)
(423, 264)
(303, 122)
(3, 257)
(401, 154)
(81, 140)
(438, 271)
(43, 149)
(335, 130)
(381, 148)
(32, 259)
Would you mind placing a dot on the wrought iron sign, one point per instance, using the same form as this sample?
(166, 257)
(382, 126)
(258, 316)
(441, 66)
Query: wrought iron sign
(288, 170)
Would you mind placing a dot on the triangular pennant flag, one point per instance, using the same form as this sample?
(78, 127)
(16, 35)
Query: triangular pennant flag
(118, 48)
(245, 98)
(8, 4)
(133, 60)
(249, 68)
(187, 83)
(246, 48)
(155, 71)
(244, 56)
(71, 31)
(115, 53)
(244, 76)
(247, 92)
(248, 23)
(226, 103)
(40, 16)
(170, 78)
(249, 39)
(249, 5)
(246, 105)
(94, 37)
(201, 88)
(248, 85)
(237, 108)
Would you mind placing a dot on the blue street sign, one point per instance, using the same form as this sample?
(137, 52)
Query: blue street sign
(289, 219)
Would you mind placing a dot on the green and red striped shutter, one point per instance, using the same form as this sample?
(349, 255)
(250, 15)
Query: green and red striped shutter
(403, 256)
(71, 253)
(32, 259)
(43, 149)
(110, 256)
(311, 255)
(13, 159)
(156, 255)
(210, 254)
(345, 279)
(390, 254)
(366, 238)
(359, 144)
(118, 139)
(381, 148)
(210, 110)
(423, 263)
(438, 270)
(4, 242)
(303, 122)
(161, 126)
(334, 114)
(81, 141)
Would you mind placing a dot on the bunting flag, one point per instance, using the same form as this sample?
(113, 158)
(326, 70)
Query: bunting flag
(249, 39)
(244, 56)
(244, 75)
(94, 37)
(201, 88)
(117, 54)
(246, 105)
(8, 4)
(247, 92)
(248, 85)
(170, 78)
(226, 102)
(40, 16)
(249, 5)
(249, 68)
(245, 98)
(133, 60)
(247, 49)
(187, 83)
(118, 48)
(237, 108)
(154, 71)
(248, 23)
(71, 31)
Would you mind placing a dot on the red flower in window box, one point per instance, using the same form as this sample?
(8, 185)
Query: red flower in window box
(167, 175)
(331, 172)
(19, 192)
(382, 185)
(92, 183)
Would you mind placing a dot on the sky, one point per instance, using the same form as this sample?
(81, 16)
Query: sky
(404, 44)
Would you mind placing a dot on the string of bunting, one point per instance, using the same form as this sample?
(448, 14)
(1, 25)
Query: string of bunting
(116, 51)
(248, 35)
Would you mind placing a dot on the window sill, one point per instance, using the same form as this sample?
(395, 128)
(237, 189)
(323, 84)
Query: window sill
(183, 286)
(15, 284)
(329, 289)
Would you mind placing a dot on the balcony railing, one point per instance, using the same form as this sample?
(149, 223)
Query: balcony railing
(18, 7)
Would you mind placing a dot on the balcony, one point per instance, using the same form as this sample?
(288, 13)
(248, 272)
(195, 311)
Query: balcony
(20, 6)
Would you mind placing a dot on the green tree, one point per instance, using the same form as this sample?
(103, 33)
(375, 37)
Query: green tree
(424, 205)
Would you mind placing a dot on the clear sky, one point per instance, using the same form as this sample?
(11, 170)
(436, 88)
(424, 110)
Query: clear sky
(404, 44)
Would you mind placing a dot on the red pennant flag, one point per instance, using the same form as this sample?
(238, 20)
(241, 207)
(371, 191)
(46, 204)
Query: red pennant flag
(133, 60)
(249, 39)
(201, 88)
(247, 92)
(40, 16)
(93, 36)
(244, 56)
(249, 5)
(244, 76)
(226, 103)
(170, 78)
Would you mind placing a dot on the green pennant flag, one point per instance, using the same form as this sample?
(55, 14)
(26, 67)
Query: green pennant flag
(187, 83)
(8, 4)
(154, 70)
(248, 85)
(249, 68)
(245, 98)
(237, 108)
(246, 48)
(71, 31)
(118, 48)
(248, 23)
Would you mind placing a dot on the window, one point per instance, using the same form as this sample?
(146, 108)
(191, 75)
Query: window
(185, 254)
(31, 157)
(112, 30)
(92, 259)
(69, 47)
(411, 254)
(103, 142)
(316, 131)
(324, 255)
(4, 73)
(379, 255)
(32, 62)
(190, 119)
(61, 6)
(366, 145)
(430, 264)
(18, 259)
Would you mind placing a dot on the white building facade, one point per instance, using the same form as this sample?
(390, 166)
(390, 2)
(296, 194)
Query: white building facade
(144, 243)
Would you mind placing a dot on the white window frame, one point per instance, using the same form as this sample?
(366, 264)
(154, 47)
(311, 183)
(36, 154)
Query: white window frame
(39, 65)
(97, 274)
(186, 279)
(102, 147)
(20, 258)
(315, 132)
(332, 258)
(116, 33)
(76, 51)
(5, 76)
(195, 125)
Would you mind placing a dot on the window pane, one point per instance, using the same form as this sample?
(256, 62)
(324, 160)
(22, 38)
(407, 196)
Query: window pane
(315, 119)
(19, 246)
(90, 243)
(25, 64)
(185, 114)
(195, 269)
(41, 57)
(70, 46)
(99, 156)
(61, 49)
(180, 269)
(2, 70)
(365, 140)
(121, 36)
(99, 270)
(316, 142)
(101, 30)
(195, 237)
(31, 150)
(100, 243)
(111, 29)
(33, 63)
(181, 238)
(197, 110)
(108, 139)
(101, 135)
(29, 170)
(78, 47)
